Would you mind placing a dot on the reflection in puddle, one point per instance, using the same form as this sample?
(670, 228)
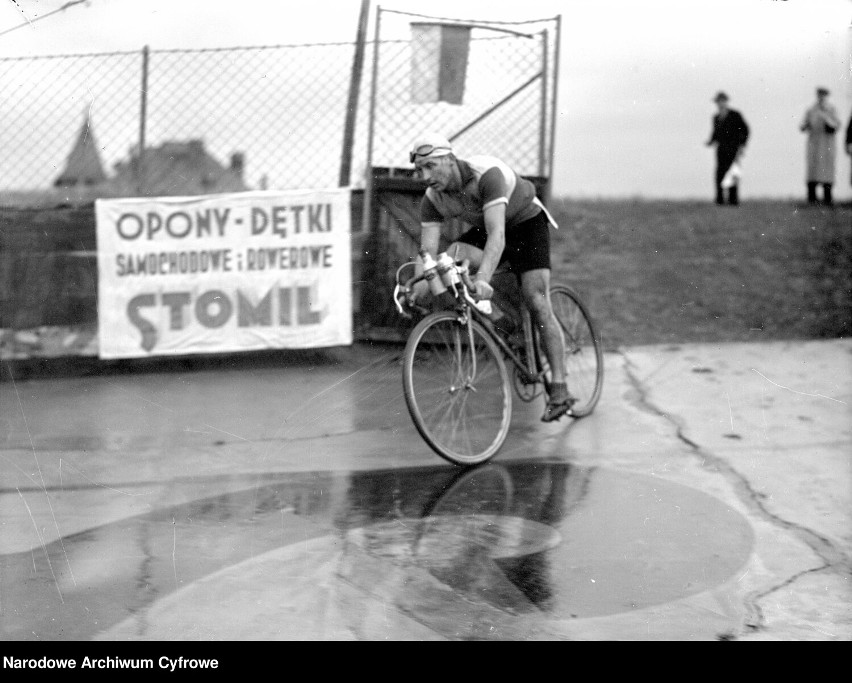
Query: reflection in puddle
(462, 554)
(441, 541)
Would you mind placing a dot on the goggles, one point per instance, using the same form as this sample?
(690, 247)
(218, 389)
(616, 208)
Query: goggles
(427, 150)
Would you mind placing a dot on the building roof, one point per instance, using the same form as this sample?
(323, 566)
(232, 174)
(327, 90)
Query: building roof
(83, 166)
(178, 169)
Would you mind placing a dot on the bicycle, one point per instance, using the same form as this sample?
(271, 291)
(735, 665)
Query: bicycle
(456, 384)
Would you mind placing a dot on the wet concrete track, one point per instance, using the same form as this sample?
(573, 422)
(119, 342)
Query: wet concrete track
(706, 498)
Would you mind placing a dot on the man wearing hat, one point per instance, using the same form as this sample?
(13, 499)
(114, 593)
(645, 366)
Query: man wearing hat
(508, 223)
(729, 134)
(821, 123)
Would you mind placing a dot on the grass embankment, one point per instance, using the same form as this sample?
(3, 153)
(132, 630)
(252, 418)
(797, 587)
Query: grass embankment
(666, 272)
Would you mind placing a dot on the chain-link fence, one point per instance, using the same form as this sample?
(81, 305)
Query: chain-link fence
(45, 102)
(509, 92)
(273, 115)
(188, 122)
(268, 117)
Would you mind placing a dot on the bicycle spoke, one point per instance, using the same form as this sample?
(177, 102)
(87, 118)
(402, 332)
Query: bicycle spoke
(457, 393)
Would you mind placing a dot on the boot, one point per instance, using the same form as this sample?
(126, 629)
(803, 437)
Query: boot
(812, 188)
(559, 402)
(733, 195)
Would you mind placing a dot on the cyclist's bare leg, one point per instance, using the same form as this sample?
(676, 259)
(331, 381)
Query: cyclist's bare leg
(535, 287)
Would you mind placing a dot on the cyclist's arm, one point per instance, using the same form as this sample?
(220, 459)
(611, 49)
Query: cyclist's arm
(495, 226)
(494, 193)
(431, 222)
(430, 240)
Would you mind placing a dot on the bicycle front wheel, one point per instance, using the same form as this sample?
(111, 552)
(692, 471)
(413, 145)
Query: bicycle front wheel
(583, 349)
(457, 388)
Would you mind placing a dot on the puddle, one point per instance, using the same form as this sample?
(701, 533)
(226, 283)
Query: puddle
(457, 554)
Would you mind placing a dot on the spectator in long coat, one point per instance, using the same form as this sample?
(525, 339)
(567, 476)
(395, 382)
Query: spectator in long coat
(730, 134)
(821, 123)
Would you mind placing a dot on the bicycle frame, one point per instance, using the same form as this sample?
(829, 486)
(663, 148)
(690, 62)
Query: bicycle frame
(460, 366)
(529, 366)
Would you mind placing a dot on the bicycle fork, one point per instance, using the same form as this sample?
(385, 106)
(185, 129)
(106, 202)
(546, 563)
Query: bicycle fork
(464, 382)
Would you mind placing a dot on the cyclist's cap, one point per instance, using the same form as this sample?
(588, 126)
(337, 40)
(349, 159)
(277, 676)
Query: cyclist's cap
(429, 146)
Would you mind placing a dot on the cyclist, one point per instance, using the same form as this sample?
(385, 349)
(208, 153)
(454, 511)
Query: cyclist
(508, 223)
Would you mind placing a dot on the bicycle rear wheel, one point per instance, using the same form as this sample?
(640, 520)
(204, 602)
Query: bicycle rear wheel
(457, 392)
(583, 349)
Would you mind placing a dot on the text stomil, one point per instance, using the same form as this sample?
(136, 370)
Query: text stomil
(228, 272)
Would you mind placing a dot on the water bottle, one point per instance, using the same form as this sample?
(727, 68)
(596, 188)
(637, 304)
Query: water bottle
(447, 270)
(430, 272)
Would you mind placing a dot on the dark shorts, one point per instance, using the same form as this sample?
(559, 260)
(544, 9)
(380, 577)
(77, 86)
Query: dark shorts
(527, 244)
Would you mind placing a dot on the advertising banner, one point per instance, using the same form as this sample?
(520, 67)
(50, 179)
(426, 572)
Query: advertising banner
(220, 273)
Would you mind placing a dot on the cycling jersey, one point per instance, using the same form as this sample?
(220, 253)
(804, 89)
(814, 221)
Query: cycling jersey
(486, 181)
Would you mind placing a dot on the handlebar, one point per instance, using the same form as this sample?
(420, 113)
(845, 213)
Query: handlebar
(464, 289)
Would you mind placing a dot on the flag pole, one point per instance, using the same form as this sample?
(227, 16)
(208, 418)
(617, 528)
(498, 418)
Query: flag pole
(368, 182)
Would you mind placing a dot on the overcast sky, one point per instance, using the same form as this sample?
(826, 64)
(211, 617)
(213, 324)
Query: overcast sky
(636, 76)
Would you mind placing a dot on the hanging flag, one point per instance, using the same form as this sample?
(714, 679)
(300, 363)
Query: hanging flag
(438, 62)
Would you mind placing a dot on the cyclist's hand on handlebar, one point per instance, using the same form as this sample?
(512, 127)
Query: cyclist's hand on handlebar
(418, 291)
(407, 298)
(482, 290)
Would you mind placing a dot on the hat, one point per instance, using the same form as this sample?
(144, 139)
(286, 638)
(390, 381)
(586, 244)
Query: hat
(720, 96)
(822, 91)
(429, 146)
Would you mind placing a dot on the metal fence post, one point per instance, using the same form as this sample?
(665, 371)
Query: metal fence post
(354, 91)
(555, 105)
(368, 183)
(542, 126)
(143, 107)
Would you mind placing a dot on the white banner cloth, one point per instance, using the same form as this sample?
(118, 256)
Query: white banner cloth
(221, 273)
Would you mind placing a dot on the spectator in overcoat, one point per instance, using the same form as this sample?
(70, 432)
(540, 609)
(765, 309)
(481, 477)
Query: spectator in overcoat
(821, 123)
